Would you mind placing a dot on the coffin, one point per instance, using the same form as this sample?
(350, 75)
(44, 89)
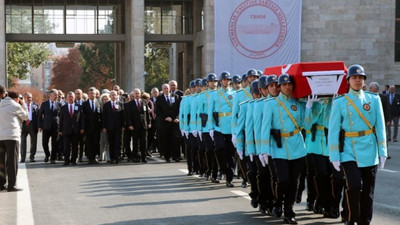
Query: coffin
(319, 78)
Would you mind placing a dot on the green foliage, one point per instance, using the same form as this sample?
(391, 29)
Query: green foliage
(97, 65)
(22, 55)
(156, 64)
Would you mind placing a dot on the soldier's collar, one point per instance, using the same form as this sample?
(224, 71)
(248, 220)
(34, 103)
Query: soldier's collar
(356, 93)
(284, 97)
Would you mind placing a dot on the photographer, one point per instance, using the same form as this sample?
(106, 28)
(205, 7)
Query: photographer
(13, 112)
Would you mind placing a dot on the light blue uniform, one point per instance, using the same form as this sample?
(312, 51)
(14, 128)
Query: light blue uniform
(275, 117)
(240, 128)
(203, 100)
(221, 102)
(240, 96)
(193, 112)
(257, 117)
(182, 117)
(184, 111)
(364, 150)
(319, 114)
(249, 129)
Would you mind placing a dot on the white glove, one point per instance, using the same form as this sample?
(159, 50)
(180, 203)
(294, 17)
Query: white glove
(212, 134)
(311, 100)
(336, 165)
(240, 153)
(200, 134)
(251, 157)
(265, 158)
(382, 162)
(183, 132)
(194, 133)
(261, 157)
(234, 140)
(187, 134)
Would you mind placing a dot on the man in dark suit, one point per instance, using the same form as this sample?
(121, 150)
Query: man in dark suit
(173, 85)
(394, 102)
(167, 110)
(91, 109)
(138, 121)
(81, 143)
(113, 122)
(29, 127)
(154, 140)
(72, 124)
(48, 123)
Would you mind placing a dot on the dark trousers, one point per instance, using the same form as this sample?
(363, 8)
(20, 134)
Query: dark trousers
(139, 142)
(60, 147)
(28, 130)
(192, 149)
(151, 138)
(265, 192)
(225, 153)
(8, 162)
(252, 173)
(202, 155)
(70, 147)
(322, 169)
(47, 134)
(81, 145)
(92, 145)
(114, 140)
(127, 144)
(169, 140)
(288, 173)
(273, 181)
(212, 165)
(360, 186)
(310, 174)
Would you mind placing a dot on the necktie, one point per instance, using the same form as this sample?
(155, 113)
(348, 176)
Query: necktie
(70, 111)
(169, 103)
(138, 105)
(93, 106)
(113, 106)
(28, 121)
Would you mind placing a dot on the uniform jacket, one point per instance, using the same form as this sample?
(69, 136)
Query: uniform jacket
(275, 117)
(364, 150)
(239, 97)
(203, 105)
(257, 116)
(240, 127)
(184, 112)
(221, 103)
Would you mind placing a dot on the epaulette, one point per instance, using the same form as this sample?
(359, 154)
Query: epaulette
(251, 100)
(260, 99)
(244, 102)
(337, 97)
(213, 91)
(239, 90)
(373, 93)
(268, 99)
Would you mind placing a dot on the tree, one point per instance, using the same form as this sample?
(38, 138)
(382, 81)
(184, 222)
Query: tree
(97, 65)
(22, 56)
(67, 72)
(156, 64)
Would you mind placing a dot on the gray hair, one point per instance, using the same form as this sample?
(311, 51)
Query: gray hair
(374, 84)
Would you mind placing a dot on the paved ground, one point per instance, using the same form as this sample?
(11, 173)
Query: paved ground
(155, 193)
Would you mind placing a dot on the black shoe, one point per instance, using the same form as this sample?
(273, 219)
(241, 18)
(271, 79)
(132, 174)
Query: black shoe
(190, 173)
(66, 163)
(177, 160)
(389, 157)
(13, 189)
(46, 159)
(229, 184)
(348, 223)
(263, 209)
(32, 160)
(298, 198)
(333, 213)
(289, 220)
(244, 184)
(22, 161)
(318, 209)
(144, 161)
(53, 161)
(254, 203)
(310, 206)
(73, 163)
(207, 177)
(277, 212)
(2, 188)
(167, 160)
(214, 180)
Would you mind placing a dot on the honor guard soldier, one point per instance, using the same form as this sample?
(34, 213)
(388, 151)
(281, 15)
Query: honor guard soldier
(199, 128)
(185, 117)
(357, 142)
(244, 82)
(236, 82)
(241, 96)
(285, 144)
(193, 127)
(204, 127)
(220, 113)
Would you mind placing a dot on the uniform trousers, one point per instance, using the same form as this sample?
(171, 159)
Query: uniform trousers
(252, 173)
(360, 186)
(288, 173)
(28, 130)
(202, 155)
(273, 181)
(8, 162)
(265, 193)
(225, 153)
(212, 164)
(191, 153)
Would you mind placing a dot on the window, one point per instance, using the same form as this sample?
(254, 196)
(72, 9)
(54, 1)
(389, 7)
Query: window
(397, 33)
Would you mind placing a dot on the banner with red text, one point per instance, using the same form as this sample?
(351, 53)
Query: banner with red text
(256, 34)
